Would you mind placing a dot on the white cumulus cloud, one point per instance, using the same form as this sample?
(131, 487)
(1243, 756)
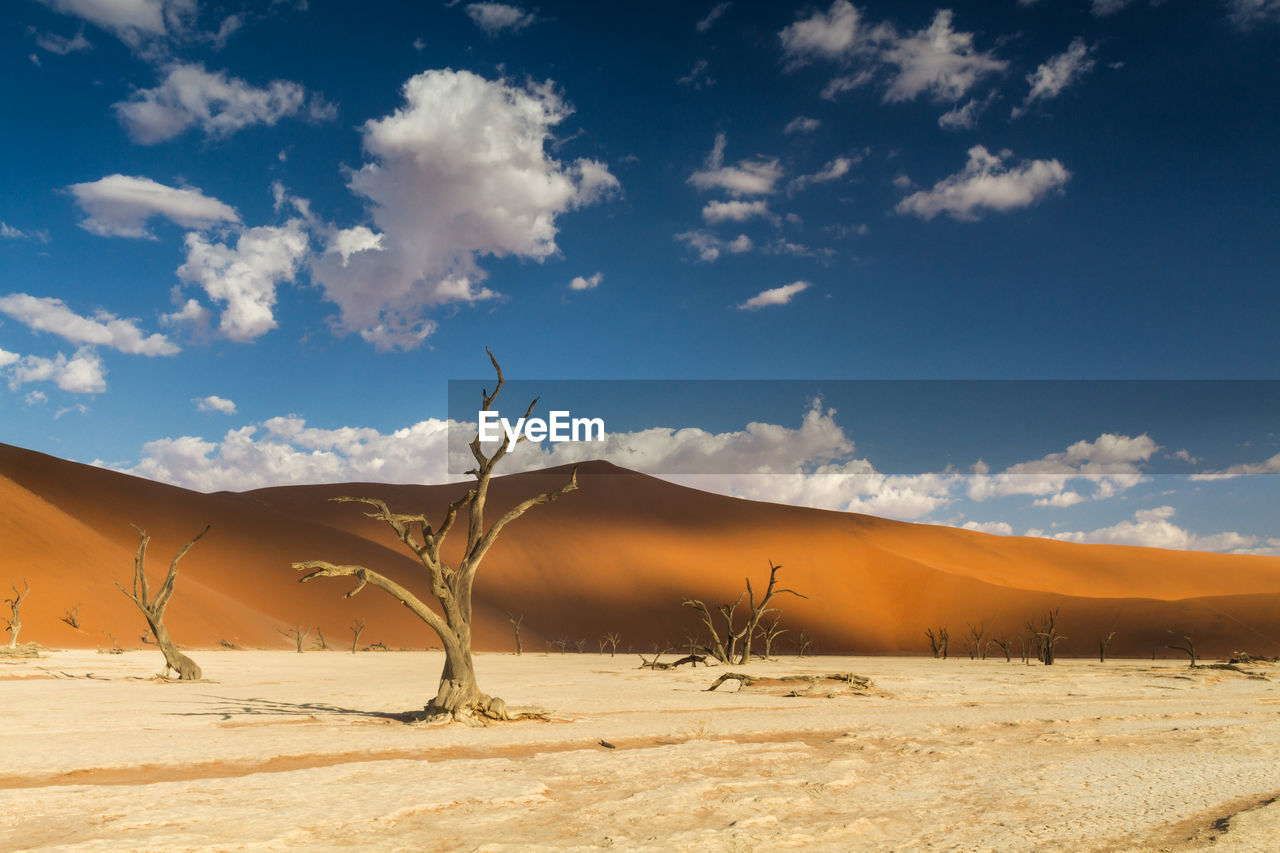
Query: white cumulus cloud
(833, 34)
(190, 96)
(133, 21)
(214, 403)
(243, 277)
(801, 124)
(588, 283)
(709, 247)
(494, 18)
(120, 205)
(718, 212)
(458, 172)
(83, 373)
(775, 295)
(756, 176)
(1268, 466)
(987, 183)
(937, 61)
(1056, 74)
(49, 314)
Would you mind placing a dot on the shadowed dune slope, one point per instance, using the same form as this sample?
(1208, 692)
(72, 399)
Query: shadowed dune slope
(616, 555)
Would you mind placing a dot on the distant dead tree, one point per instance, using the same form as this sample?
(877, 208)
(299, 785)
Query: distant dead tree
(324, 646)
(357, 628)
(153, 607)
(458, 696)
(1002, 643)
(1186, 645)
(581, 645)
(1103, 642)
(516, 622)
(1027, 644)
(770, 633)
(612, 639)
(727, 649)
(562, 644)
(803, 642)
(973, 643)
(298, 633)
(1046, 637)
(938, 642)
(72, 617)
(13, 622)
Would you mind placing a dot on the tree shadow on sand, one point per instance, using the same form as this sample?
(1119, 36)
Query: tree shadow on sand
(229, 708)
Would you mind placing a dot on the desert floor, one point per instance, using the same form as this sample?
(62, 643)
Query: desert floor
(281, 751)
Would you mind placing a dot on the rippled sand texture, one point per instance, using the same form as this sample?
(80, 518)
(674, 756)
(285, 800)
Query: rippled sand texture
(280, 751)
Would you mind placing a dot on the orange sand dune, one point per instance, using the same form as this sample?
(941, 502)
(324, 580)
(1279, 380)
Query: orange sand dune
(616, 555)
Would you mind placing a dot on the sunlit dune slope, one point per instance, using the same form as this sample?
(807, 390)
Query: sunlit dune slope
(616, 555)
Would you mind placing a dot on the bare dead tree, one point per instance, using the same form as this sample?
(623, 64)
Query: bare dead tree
(973, 643)
(72, 616)
(153, 607)
(1002, 643)
(803, 642)
(727, 650)
(324, 646)
(612, 639)
(516, 622)
(13, 622)
(1046, 637)
(770, 633)
(1186, 645)
(298, 633)
(459, 695)
(1103, 642)
(580, 645)
(357, 628)
(1027, 644)
(938, 642)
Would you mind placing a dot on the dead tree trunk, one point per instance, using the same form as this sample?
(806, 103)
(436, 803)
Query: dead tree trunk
(938, 642)
(13, 622)
(357, 628)
(72, 616)
(459, 696)
(770, 633)
(612, 639)
(298, 633)
(1047, 637)
(516, 622)
(1187, 646)
(1003, 644)
(1103, 642)
(153, 607)
(727, 650)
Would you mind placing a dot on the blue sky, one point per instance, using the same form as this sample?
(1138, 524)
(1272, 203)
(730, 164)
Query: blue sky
(251, 242)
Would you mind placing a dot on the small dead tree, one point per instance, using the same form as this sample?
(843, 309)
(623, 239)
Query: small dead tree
(612, 639)
(1046, 637)
(516, 622)
(938, 642)
(298, 633)
(770, 633)
(458, 696)
(13, 622)
(727, 650)
(357, 628)
(973, 643)
(1002, 643)
(1186, 645)
(72, 616)
(803, 642)
(1104, 640)
(580, 645)
(324, 646)
(153, 607)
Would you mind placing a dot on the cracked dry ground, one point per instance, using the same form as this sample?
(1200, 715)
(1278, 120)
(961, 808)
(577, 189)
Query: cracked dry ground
(281, 751)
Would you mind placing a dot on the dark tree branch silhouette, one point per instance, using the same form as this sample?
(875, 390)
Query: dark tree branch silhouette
(13, 622)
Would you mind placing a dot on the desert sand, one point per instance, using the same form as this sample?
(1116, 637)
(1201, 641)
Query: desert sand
(616, 555)
(281, 751)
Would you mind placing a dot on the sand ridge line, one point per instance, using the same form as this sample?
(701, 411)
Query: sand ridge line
(153, 773)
